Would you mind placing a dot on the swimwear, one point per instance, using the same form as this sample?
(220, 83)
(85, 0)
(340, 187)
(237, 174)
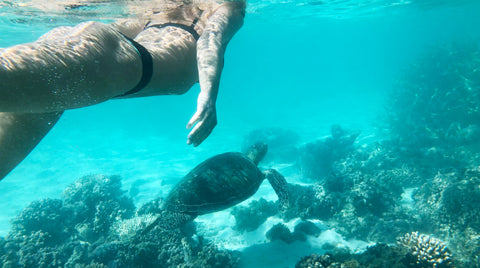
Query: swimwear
(190, 29)
(147, 68)
(146, 57)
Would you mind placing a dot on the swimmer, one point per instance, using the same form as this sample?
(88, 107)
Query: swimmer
(161, 53)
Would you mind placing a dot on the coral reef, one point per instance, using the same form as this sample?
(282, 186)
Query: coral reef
(310, 202)
(172, 248)
(94, 203)
(280, 232)
(452, 198)
(423, 177)
(37, 233)
(450, 202)
(46, 216)
(316, 158)
(376, 256)
(248, 218)
(363, 194)
(93, 225)
(428, 250)
(434, 110)
(376, 193)
(372, 184)
(362, 198)
(315, 261)
(301, 231)
(307, 228)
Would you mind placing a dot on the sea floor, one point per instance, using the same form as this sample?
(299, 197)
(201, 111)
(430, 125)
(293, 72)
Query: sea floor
(149, 165)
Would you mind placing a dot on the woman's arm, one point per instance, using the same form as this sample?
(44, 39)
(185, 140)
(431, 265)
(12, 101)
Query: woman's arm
(211, 46)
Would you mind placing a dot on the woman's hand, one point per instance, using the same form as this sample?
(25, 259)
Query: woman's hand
(211, 45)
(204, 119)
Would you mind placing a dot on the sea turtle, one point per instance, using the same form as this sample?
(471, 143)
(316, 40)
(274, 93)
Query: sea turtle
(218, 183)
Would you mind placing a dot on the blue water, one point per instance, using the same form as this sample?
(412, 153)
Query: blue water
(299, 65)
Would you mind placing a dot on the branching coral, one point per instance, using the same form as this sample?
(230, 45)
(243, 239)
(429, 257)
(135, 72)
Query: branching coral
(427, 249)
(96, 202)
(45, 215)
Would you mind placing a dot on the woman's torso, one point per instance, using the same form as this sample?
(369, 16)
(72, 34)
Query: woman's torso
(170, 38)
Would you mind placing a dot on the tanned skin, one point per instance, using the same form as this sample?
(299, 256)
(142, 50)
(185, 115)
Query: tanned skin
(72, 67)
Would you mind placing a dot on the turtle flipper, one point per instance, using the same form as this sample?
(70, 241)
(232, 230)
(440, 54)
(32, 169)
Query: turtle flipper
(280, 186)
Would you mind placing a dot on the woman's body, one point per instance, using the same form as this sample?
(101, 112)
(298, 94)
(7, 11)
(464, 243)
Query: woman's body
(72, 67)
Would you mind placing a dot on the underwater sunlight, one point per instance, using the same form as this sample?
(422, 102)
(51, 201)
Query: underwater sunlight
(348, 135)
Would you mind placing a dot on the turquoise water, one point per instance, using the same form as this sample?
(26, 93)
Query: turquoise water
(298, 65)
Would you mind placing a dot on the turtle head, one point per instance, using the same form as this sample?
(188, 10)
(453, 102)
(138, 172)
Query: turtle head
(257, 151)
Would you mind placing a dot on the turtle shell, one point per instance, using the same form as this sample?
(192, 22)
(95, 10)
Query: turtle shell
(215, 184)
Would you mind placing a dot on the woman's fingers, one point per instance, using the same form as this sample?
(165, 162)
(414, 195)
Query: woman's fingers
(202, 129)
(193, 120)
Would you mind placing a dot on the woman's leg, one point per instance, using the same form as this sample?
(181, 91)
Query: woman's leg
(69, 67)
(19, 134)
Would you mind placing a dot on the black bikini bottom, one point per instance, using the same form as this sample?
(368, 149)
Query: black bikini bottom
(146, 57)
(189, 29)
(147, 68)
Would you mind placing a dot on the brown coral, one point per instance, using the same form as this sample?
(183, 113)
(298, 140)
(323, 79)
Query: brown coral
(427, 249)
